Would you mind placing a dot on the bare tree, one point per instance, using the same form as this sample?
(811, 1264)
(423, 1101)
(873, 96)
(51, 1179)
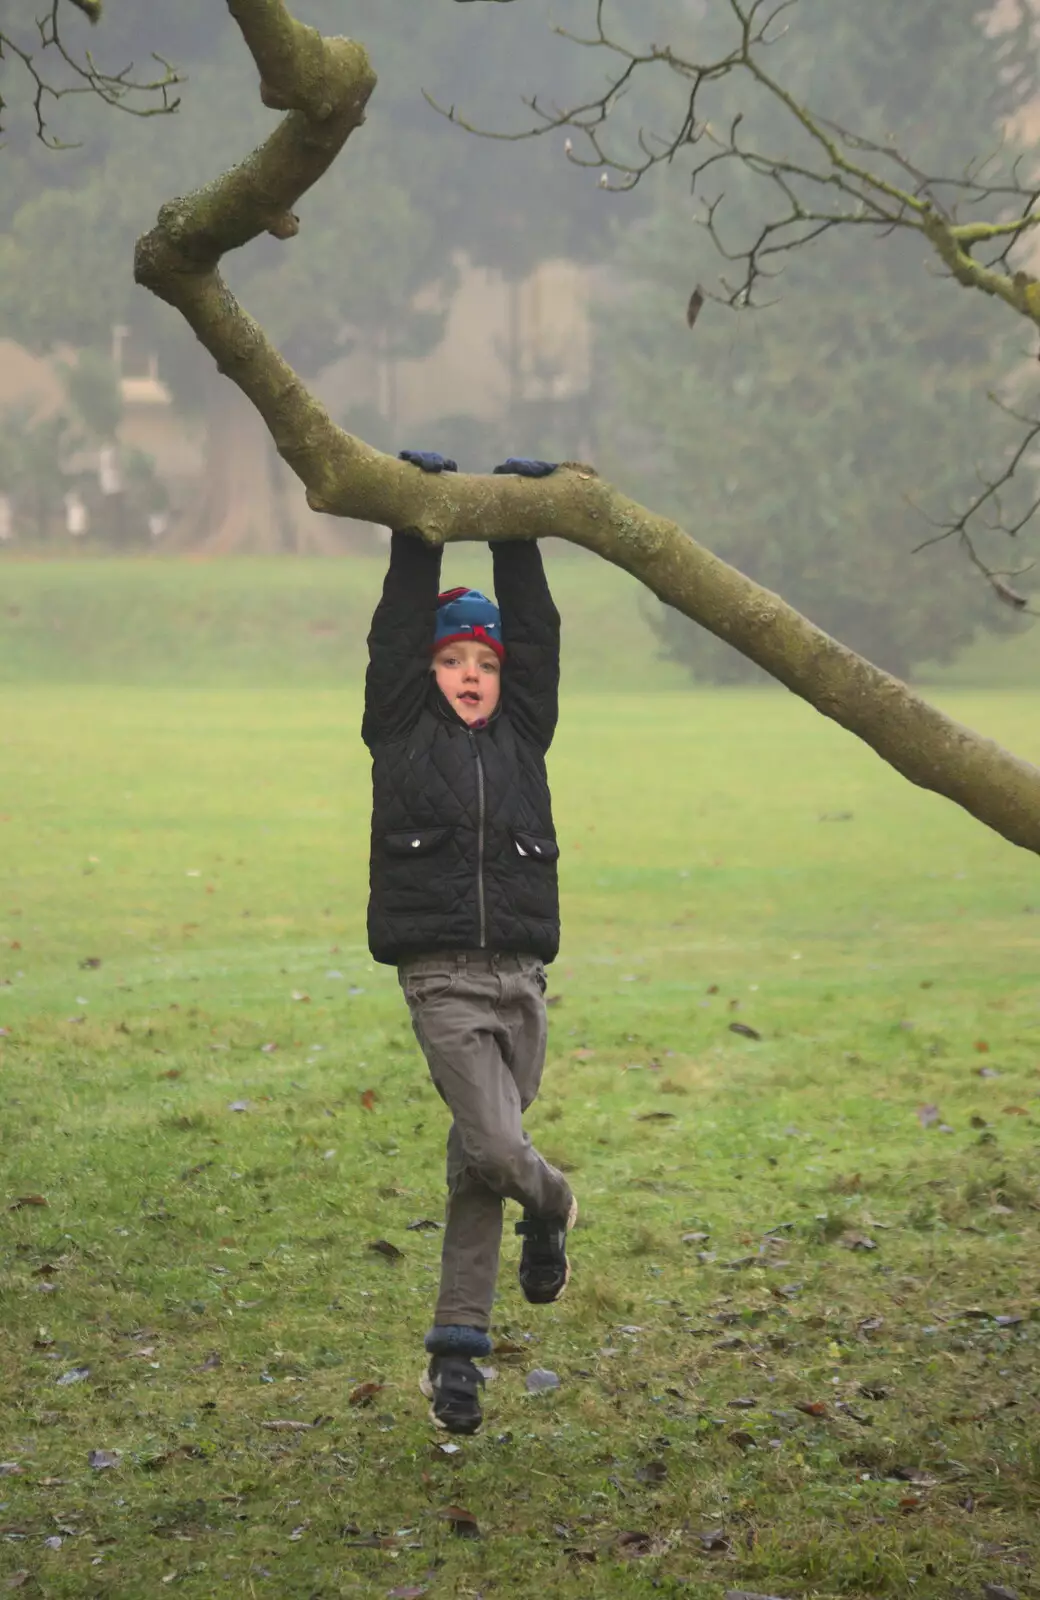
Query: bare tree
(324, 85)
(55, 70)
(831, 178)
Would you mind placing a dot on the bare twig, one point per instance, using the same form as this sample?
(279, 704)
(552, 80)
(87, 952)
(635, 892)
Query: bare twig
(839, 179)
(140, 97)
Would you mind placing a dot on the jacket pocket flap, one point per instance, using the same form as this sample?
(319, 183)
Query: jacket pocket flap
(416, 842)
(536, 845)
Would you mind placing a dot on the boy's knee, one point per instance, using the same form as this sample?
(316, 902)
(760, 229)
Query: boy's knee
(498, 1162)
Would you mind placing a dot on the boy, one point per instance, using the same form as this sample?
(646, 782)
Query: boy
(460, 708)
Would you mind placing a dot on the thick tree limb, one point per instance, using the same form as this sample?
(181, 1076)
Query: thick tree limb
(327, 83)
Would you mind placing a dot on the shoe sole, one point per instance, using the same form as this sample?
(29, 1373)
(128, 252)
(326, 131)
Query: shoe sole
(426, 1389)
(572, 1217)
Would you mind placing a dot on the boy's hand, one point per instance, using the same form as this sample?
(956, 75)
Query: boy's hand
(527, 469)
(428, 460)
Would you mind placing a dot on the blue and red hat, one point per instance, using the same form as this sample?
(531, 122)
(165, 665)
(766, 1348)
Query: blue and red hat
(468, 614)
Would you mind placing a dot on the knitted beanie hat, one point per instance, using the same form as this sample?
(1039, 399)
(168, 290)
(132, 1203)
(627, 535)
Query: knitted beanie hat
(468, 614)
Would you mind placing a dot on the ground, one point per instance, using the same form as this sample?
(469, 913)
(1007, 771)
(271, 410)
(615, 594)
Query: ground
(798, 1354)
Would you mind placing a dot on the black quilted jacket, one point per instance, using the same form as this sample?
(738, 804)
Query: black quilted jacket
(463, 845)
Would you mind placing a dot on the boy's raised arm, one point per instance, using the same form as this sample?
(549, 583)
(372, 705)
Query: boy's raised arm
(399, 640)
(531, 635)
(402, 629)
(530, 626)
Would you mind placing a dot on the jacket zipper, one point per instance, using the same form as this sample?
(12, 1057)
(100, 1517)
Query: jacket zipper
(480, 841)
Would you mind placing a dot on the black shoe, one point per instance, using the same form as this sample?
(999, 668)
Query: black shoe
(453, 1383)
(544, 1268)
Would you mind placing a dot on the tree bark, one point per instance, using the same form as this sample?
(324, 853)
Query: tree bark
(324, 84)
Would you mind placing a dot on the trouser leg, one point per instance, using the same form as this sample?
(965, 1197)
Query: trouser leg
(471, 1243)
(483, 1034)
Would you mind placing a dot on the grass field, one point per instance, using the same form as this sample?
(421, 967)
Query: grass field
(828, 1388)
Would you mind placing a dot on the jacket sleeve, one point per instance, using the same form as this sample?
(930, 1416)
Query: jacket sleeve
(531, 636)
(400, 639)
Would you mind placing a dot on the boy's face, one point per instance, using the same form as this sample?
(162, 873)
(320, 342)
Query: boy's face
(469, 677)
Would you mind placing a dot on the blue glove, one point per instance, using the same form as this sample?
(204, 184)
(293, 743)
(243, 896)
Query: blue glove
(428, 460)
(527, 469)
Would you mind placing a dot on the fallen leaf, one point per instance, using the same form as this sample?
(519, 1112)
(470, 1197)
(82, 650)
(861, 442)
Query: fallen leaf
(290, 1425)
(408, 1592)
(368, 1099)
(27, 1200)
(694, 1238)
(74, 1375)
(383, 1247)
(171, 1072)
(91, 962)
(988, 1072)
(747, 1594)
(979, 1122)
(742, 1439)
(101, 1460)
(299, 1531)
(364, 1393)
(851, 1240)
(10, 1469)
(812, 1408)
(211, 1363)
(507, 1347)
(269, 1047)
(635, 1543)
(652, 1472)
(928, 1116)
(999, 1591)
(693, 306)
(53, 1542)
(463, 1522)
(17, 1580)
(873, 1391)
(298, 994)
(716, 1540)
(743, 1029)
(981, 1046)
(540, 1379)
(1015, 1111)
(743, 1403)
(238, 1105)
(656, 1116)
(423, 1225)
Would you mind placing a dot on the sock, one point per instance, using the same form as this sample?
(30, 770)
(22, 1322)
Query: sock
(453, 1339)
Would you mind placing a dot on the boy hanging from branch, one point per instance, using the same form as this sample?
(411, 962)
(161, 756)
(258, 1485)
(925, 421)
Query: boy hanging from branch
(460, 709)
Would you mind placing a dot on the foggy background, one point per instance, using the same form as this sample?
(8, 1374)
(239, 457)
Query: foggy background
(486, 298)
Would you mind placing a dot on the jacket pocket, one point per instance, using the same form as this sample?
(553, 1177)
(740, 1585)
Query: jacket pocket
(416, 842)
(536, 846)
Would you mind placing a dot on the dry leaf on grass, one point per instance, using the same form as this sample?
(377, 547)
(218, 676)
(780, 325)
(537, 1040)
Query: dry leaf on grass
(383, 1247)
(27, 1200)
(365, 1393)
(463, 1522)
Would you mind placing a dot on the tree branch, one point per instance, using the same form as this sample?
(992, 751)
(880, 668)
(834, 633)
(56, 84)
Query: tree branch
(327, 83)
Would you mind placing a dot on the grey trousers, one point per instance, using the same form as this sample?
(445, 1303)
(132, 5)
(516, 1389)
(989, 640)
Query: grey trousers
(480, 1022)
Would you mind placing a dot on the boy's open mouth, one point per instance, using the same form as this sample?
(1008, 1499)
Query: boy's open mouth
(470, 696)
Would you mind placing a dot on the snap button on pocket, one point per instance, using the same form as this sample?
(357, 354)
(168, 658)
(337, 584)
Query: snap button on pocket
(416, 843)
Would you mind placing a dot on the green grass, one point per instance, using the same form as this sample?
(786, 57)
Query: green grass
(178, 864)
(250, 622)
